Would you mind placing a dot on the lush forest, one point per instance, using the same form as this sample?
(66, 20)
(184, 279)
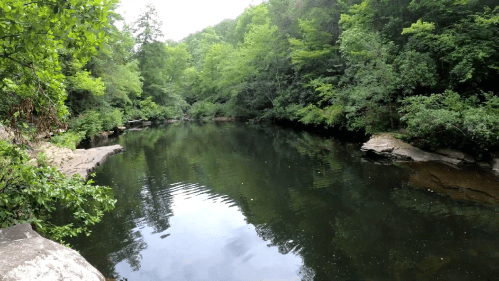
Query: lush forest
(424, 69)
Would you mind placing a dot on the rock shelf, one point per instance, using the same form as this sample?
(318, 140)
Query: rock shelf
(80, 161)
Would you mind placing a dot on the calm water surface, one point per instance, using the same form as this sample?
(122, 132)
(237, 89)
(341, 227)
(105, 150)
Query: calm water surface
(227, 201)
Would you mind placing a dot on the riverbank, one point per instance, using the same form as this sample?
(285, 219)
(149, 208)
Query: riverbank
(67, 161)
(447, 172)
(28, 256)
(80, 161)
(387, 145)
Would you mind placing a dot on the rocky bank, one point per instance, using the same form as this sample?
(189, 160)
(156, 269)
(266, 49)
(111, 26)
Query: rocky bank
(389, 146)
(80, 161)
(69, 162)
(450, 172)
(24, 254)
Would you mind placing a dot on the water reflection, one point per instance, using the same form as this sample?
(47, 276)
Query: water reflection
(232, 202)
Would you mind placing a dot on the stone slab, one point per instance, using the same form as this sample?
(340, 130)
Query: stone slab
(80, 161)
(34, 258)
(389, 146)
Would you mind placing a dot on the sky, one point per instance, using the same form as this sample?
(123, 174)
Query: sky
(183, 17)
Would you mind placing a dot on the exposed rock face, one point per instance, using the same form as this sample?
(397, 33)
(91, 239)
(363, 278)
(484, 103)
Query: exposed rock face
(34, 258)
(80, 161)
(389, 146)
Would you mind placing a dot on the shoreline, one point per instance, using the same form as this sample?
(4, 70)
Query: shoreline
(67, 161)
(80, 161)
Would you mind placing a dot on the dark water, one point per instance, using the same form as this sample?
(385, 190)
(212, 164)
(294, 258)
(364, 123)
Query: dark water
(228, 201)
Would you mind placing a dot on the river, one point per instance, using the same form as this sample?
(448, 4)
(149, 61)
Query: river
(230, 201)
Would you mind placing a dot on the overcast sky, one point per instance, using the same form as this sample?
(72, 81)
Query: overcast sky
(183, 17)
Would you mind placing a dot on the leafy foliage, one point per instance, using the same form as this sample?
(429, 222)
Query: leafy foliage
(31, 194)
(451, 120)
(69, 139)
(32, 33)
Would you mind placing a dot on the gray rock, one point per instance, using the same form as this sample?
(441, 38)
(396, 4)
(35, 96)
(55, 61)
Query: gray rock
(5, 134)
(468, 158)
(86, 161)
(456, 154)
(25, 255)
(451, 153)
(389, 146)
(484, 165)
(80, 161)
(495, 165)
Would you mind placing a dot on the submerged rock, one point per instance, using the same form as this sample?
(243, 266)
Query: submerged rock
(389, 146)
(465, 184)
(28, 256)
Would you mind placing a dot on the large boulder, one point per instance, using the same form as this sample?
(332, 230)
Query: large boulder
(25, 255)
(389, 146)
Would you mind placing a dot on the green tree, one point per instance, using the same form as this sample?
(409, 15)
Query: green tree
(147, 28)
(32, 35)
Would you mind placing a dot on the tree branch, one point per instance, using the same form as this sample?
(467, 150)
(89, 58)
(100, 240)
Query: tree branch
(17, 61)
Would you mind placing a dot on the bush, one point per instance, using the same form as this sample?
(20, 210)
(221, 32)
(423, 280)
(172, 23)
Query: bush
(328, 116)
(93, 122)
(111, 118)
(206, 109)
(31, 194)
(450, 120)
(149, 110)
(89, 122)
(69, 139)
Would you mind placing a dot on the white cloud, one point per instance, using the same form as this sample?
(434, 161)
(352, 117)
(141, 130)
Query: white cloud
(183, 17)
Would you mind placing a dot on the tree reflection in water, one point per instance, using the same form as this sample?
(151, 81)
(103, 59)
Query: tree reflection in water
(306, 195)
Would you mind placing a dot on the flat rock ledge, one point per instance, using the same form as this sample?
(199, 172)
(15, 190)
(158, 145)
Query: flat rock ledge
(389, 146)
(80, 161)
(30, 257)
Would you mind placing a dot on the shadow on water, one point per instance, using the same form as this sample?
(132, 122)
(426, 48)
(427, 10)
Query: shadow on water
(228, 201)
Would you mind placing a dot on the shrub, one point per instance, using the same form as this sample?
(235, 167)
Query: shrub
(150, 110)
(89, 122)
(450, 120)
(328, 116)
(69, 139)
(111, 118)
(42, 159)
(206, 109)
(31, 194)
